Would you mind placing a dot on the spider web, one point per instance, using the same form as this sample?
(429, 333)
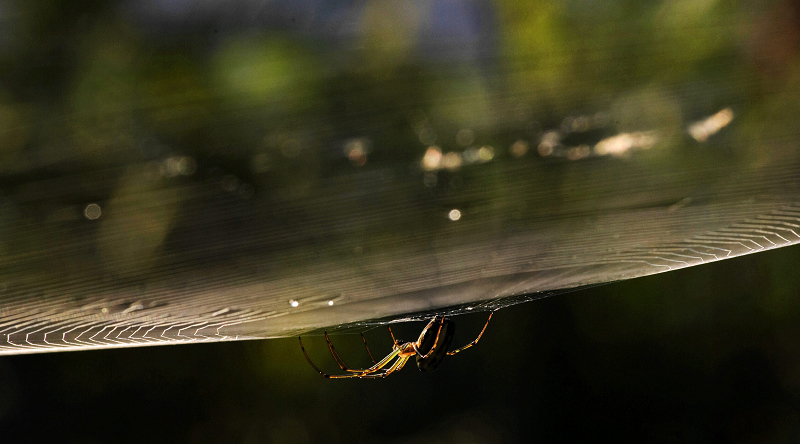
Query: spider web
(237, 274)
(217, 172)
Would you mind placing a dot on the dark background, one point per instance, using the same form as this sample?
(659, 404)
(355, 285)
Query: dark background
(705, 354)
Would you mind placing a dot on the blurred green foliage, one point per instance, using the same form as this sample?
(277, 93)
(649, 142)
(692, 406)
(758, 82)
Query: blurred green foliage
(110, 81)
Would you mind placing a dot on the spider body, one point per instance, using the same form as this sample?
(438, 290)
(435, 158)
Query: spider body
(429, 349)
(433, 343)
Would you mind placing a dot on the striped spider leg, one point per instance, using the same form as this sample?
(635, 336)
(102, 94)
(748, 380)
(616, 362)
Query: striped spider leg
(429, 349)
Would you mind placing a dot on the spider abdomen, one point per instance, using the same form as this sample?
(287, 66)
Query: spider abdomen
(435, 349)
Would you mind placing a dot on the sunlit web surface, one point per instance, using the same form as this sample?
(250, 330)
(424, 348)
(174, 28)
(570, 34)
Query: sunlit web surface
(208, 171)
(233, 275)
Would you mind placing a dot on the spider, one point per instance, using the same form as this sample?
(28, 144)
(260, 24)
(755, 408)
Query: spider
(429, 349)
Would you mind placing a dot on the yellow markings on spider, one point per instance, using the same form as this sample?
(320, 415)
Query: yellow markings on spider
(430, 348)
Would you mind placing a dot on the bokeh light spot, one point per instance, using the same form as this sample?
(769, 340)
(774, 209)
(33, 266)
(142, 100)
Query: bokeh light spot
(519, 148)
(432, 158)
(486, 153)
(92, 211)
(465, 137)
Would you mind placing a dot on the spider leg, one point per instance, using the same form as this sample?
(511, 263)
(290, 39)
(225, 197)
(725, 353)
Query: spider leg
(394, 341)
(339, 359)
(367, 347)
(309, 359)
(450, 353)
(358, 373)
(405, 360)
(398, 365)
(382, 363)
(373, 372)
